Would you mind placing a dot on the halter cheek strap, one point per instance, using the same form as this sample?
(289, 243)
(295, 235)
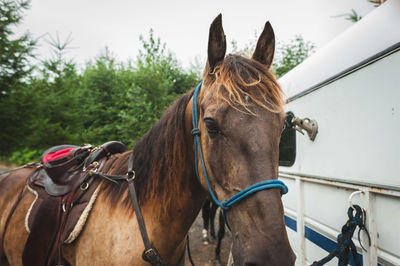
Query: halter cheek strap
(225, 205)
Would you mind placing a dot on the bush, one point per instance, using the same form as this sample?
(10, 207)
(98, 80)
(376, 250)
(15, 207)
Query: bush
(24, 156)
(107, 100)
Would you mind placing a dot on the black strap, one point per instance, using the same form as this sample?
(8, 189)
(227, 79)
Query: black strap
(150, 253)
(345, 242)
(188, 250)
(112, 178)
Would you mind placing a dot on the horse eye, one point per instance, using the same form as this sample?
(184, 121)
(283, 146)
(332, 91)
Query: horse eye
(212, 127)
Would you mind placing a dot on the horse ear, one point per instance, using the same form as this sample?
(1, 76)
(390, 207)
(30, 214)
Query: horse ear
(216, 44)
(265, 49)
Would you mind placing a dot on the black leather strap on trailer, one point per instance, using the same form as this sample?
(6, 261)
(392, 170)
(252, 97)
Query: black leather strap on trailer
(346, 245)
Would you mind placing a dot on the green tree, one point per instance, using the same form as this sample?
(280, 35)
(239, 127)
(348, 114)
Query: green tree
(159, 72)
(106, 100)
(121, 101)
(104, 83)
(289, 55)
(157, 80)
(48, 101)
(55, 114)
(15, 53)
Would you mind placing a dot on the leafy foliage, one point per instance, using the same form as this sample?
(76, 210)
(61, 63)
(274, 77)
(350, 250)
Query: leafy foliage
(107, 100)
(14, 52)
(351, 16)
(104, 100)
(14, 70)
(291, 54)
(287, 54)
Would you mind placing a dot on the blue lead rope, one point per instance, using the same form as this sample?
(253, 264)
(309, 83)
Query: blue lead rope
(225, 205)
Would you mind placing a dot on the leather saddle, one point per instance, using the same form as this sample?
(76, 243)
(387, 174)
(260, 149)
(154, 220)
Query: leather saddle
(63, 187)
(59, 175)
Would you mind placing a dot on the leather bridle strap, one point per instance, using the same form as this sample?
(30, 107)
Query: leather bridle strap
(150, 253)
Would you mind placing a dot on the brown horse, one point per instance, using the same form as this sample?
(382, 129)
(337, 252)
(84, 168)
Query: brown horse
(241, 116)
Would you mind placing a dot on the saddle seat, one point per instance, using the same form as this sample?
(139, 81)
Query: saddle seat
(65, 191)
(58, 175)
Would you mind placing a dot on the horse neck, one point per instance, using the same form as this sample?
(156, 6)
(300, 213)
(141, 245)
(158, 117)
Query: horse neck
(180, 199)
(170, 196)
(165, 157)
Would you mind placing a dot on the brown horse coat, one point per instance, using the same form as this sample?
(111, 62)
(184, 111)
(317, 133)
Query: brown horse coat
(241, 116)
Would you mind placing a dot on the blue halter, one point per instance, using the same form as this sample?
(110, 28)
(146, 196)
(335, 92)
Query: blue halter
(225, 204)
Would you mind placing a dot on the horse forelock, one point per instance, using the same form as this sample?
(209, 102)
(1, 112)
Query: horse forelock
(238, 79)
(160, 161)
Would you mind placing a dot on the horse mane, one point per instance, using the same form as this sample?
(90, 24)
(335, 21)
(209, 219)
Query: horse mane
(237, 77)
(161, 160)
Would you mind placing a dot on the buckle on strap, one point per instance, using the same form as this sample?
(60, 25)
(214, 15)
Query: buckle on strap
(130, 175)
(151, 255)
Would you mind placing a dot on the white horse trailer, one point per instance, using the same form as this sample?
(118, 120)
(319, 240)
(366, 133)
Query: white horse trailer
(351, 88)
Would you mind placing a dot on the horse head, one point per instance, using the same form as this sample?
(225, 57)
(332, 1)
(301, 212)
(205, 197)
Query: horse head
(240, 117)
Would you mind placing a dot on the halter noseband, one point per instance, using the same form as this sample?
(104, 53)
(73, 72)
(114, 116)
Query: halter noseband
(225, 204)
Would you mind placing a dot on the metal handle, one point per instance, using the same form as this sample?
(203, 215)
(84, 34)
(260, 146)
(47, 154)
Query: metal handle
(309, 125)
(352, 195)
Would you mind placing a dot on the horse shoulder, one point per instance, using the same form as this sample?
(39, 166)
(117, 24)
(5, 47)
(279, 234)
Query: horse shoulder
(110, 237)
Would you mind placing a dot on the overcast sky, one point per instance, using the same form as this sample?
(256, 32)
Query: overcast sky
(183, 25)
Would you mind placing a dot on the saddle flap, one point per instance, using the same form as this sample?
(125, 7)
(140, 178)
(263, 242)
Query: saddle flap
(50, 223)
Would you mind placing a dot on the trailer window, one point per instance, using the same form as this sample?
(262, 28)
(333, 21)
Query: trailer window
(287, 146)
